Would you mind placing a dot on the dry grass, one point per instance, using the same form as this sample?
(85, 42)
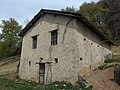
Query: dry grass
(9, 65)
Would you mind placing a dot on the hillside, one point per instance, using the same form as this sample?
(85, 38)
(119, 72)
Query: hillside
(100, 79)
(116, 51)
(9, 65)
(103, 79)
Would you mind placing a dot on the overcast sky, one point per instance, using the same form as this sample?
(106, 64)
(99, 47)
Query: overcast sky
(26, 9)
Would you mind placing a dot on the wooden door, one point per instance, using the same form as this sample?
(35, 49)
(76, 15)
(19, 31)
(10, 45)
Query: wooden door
(41, 73)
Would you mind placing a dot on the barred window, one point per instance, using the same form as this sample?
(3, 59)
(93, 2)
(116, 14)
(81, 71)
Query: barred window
(34, 43)
(54, 37)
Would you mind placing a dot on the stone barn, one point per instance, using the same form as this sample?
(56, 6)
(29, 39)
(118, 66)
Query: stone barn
(60, 46)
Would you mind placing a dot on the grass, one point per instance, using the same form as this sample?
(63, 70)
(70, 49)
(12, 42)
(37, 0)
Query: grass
(107, 65)
(10, 84)
(104, 66)
(18, 84)
(112, 60)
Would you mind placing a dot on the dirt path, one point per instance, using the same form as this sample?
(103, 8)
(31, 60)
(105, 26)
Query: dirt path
(103, 80)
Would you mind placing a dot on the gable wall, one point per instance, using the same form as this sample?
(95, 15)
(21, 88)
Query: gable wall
(66, 51)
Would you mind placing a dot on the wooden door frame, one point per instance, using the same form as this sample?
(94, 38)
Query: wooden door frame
(43, 73)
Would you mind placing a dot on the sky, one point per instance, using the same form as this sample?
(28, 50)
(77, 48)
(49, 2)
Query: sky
(23, 10)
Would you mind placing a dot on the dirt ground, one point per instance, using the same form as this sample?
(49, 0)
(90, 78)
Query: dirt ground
(103, 79)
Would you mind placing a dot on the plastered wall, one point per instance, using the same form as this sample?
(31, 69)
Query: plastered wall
(79, 50)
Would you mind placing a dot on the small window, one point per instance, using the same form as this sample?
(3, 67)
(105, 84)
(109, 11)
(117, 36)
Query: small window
(84, 39)
(80, 58)
(29, 63)
(34, 43)
(54, 37)
(56, 60)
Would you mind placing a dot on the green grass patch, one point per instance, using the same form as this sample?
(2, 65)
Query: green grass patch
(104, 66)
(9, 84)
(112, 60)
(65, 86)
(18, 84)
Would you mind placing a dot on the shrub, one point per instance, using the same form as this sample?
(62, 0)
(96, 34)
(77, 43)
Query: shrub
(61, 85)
(104, 66)
(112, 60)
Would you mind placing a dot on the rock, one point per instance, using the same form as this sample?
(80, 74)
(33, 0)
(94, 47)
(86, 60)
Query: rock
(117, 74)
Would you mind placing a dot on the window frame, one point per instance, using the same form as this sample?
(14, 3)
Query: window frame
(34, 41)
(54, 37)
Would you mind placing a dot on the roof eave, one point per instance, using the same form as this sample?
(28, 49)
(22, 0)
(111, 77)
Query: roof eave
(82, 19)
